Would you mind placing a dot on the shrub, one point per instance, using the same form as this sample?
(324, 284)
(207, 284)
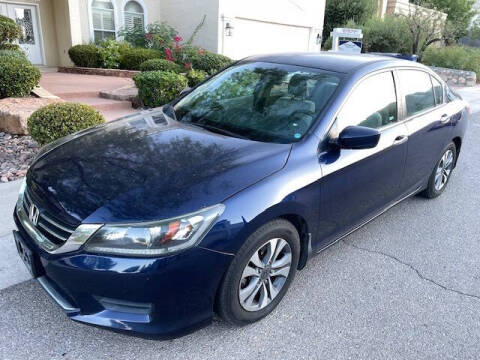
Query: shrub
(156, 88)
(195, 77)
(17, 77)
(9, 32)
(86, 56)
(210, 62)
(160, 65)
(61, 119)
(10, 47)
(388, 35)
(133, 58)
(453, 57)
(13, 54)
(111, 52)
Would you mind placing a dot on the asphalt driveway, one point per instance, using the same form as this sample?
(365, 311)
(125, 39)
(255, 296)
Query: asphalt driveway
(406, 286)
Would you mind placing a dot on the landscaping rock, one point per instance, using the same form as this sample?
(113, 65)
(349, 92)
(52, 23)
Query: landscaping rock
(14, 113)
(126, 93)
(16, 154)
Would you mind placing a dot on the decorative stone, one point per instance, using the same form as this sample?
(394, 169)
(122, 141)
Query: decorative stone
(95, 71)
(14, 113)
(16, 154)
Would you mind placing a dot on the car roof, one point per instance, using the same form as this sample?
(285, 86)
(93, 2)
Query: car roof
(331, 61)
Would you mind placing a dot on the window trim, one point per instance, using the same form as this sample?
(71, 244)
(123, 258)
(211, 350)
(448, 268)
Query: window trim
(90, 18)
(145, 13)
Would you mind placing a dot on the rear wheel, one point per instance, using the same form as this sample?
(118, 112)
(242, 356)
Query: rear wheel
(441, 174)
(260, 274)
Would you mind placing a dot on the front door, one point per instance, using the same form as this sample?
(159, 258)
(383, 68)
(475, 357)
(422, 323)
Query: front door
(357, 184)
(27, 18)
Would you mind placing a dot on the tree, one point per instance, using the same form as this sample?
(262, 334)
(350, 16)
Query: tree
(460, 14)
(339, 12)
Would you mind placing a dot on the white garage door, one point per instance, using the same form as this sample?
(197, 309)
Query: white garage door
(257, 37)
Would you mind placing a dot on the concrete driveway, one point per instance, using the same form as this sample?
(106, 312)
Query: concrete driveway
(405, 286)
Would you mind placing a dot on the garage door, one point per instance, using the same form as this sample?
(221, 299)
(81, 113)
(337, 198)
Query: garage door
(258, 37)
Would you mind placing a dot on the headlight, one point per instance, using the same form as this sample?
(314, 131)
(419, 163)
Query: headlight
(155, 238)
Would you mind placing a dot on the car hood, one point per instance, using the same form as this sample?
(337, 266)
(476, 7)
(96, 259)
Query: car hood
(146, 167)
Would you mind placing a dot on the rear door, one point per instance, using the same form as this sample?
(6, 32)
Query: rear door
(427, 118)
(357, 184)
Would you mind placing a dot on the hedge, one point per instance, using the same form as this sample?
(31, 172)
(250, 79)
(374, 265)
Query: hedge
(160, 65)
(133, 58)
(86, 56)
(156, 88)
(61, 119)
(210, 62)
(453, 57)
(9, 32)
(195, 77)
(17, 77)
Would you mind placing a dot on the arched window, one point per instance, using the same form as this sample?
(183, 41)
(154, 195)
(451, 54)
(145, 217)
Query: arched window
(133, 15)
(103, 20)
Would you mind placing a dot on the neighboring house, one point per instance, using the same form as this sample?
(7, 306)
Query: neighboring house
(236, 28)
(391, 7)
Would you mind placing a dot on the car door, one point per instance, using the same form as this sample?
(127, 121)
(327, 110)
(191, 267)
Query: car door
(427, 118)
(356, 184)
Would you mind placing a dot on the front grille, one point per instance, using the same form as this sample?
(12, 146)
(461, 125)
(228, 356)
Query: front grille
(53, 230)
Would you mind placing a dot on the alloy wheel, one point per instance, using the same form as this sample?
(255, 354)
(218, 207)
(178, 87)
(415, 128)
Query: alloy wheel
(265, 274)
(444, 169)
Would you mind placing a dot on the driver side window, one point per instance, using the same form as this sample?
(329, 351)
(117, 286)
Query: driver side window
(372, 104)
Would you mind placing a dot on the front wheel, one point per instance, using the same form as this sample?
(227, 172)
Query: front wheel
(441, 174)
(260, 274)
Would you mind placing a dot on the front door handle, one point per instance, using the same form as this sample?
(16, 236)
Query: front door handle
(400, 139)
(444, 118)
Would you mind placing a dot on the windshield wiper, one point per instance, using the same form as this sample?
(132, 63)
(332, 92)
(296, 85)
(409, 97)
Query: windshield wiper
(219, 130)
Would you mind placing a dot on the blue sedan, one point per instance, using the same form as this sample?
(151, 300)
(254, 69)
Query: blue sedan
(213, 202)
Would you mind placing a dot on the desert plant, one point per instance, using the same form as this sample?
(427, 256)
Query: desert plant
(9, 32)
(86, 56)
(156, 88)
(133, 58)
(453, 57)
(195, 77)
(160, 65)
(17, 76)
(61, 119)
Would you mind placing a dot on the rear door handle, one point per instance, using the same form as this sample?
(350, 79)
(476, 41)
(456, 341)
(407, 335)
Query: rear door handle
(444, 118)
(400, 139)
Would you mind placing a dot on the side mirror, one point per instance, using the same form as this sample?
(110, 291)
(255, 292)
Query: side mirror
(358, 137)
(185, 91)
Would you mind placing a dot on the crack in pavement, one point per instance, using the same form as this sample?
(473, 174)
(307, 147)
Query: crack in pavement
(419, 274)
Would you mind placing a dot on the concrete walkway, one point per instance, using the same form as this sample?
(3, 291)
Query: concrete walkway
(85, 89)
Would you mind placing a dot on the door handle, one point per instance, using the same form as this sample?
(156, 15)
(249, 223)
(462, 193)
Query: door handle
(400, 139)
(444, 118)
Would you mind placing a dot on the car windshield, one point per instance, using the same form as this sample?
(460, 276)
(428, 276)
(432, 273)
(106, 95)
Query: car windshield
(260, 101)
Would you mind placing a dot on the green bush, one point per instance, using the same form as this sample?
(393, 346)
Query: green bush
(156, 88)
(17, 77)
(133, 58)
(86, 56)
(61, 119)
(12, 47)
(453, 57)
(9, 32)
(195, 77)
(388, 35)
(210, 62)
(160, 65)
(111, 52)
(13, 54)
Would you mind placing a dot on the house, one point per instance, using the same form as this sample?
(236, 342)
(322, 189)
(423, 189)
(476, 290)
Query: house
(404, 7)
(231, 27)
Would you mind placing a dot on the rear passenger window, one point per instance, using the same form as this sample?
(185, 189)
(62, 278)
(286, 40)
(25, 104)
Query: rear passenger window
(372, 104)
(418, 90)
(438, 90)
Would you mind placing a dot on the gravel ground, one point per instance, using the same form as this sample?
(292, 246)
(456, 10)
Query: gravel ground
(16, 152)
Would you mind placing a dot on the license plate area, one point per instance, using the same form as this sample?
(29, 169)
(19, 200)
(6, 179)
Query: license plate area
(30, 259)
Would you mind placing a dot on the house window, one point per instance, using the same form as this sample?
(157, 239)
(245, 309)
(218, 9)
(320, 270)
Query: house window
(103, 19)
(133, 15)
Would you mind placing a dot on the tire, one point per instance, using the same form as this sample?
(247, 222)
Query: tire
(228, 303)
(433, 190)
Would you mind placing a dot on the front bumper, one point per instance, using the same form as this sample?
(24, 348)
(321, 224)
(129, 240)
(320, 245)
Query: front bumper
(166, 296)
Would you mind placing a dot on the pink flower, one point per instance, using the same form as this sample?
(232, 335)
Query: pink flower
(148, 36)
(177, 39)
(168, 54)
(188, 66)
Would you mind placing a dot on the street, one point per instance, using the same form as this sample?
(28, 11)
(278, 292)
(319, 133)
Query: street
(406, 286)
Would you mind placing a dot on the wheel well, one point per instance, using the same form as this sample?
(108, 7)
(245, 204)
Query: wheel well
(458, 144)
(302, 228)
